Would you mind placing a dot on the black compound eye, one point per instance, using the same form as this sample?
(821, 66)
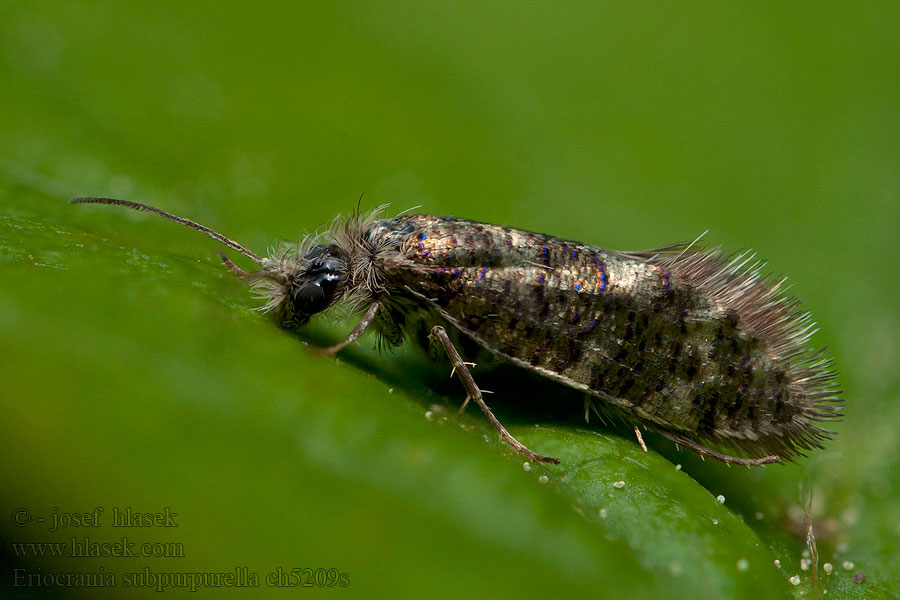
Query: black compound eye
(320, 283)
(310, 299)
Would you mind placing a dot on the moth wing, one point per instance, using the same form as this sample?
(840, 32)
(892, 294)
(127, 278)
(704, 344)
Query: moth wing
(516, 320)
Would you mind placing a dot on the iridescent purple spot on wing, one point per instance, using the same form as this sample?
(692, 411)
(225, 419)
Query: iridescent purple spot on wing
(545, 256)
(481, 272)
(601, 271)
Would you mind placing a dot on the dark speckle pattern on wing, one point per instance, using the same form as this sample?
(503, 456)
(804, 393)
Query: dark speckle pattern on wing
(630, 329)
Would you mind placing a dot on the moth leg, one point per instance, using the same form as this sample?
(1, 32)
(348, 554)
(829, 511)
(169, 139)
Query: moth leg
(640, 438)
(390, 334)
(725, 458)
(355, 333)
(474, 393)
(591, 407)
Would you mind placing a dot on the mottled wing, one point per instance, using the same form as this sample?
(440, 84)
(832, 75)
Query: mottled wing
(663, 338)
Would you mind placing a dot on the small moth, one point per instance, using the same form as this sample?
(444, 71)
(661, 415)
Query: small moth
(694, 343)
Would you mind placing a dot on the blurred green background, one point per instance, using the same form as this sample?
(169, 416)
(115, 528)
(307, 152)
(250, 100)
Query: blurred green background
(134, 371)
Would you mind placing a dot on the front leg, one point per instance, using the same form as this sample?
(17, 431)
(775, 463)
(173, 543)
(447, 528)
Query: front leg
(355, 333)
(474, 393)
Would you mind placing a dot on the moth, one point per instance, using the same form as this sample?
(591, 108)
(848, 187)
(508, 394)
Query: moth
(693, 343)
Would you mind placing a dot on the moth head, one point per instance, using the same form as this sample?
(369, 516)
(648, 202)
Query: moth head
(295, 284)
(300, 286)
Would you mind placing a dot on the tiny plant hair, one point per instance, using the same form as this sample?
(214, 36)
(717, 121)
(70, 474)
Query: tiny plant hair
(692, 342)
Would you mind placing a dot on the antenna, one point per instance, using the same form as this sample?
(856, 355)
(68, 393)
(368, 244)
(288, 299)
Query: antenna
(146, 208)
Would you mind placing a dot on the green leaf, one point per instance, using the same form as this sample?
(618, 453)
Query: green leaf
(135, 372)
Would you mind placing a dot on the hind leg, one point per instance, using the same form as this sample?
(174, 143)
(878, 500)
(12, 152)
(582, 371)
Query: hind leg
(474, 393)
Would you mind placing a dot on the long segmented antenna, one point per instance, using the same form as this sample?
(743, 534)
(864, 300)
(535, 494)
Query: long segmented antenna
(144, 207)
